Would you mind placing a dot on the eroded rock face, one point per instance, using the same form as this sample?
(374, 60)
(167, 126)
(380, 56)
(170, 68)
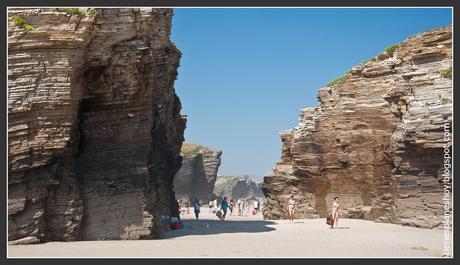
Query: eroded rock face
(375, 140)
(198, 173)
(237, 188)
(94, 127)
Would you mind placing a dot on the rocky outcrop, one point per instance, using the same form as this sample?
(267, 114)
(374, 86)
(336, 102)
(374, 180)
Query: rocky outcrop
(94, 130)
(198, 173)
(376, 139)
(237, 188)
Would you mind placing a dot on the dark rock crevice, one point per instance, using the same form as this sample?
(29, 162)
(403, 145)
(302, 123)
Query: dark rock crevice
(99, 158)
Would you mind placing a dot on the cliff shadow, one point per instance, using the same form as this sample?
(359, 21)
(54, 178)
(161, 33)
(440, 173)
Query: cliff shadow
(210, 227)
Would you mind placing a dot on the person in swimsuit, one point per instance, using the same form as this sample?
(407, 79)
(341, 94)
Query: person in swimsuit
(335, 212)
(230, 207)
(291, 208)
(211, 205)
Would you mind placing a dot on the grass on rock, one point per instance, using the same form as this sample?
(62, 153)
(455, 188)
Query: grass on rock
(20, 22)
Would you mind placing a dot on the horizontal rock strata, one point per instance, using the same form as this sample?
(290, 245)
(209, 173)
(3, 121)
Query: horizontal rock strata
(198, 173)
(237, 188)
(376, 140)
(94, 130)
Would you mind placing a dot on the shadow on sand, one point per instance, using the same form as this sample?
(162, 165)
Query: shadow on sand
(209, 227)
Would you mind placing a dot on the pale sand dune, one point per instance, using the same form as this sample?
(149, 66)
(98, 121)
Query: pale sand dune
(255, 237)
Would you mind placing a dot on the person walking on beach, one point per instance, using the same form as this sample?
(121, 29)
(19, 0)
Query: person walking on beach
(224, 207)
(336, 210)
(211, 206)
(256, 207)
(240, 207)
(214, 205)
(196, 206)
(247, 205)
(231, 206)
(291, 208)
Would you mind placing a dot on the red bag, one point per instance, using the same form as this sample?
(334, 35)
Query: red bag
(329, 220)
(253, 212)
(176, 226)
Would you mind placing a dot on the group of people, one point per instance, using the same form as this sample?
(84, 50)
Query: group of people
(335, 210)
(242, 207)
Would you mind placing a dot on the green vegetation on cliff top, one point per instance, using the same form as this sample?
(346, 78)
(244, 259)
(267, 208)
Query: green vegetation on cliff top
(189, 148)
(20, 22)
(447, 73)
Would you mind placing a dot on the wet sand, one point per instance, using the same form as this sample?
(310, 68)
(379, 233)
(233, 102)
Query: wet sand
(241, 236)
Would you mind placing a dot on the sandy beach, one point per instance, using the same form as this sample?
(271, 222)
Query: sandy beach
(241, 236)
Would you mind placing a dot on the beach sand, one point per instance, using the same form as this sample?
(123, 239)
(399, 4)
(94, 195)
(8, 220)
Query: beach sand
(251, 236)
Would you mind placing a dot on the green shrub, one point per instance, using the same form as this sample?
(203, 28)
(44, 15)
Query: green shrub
(91, 12)
(74, 11)
(447, 73)
(20, 22)
(189, 148)
(336, 81)
(373, 59)
(391, 49)
(445, 101)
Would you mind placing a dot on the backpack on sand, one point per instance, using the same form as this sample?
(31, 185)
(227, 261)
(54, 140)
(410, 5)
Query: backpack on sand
(329, 220)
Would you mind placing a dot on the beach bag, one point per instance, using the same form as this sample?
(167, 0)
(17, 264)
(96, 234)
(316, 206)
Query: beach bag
(219, 214)
(329, 220)
(253, 212)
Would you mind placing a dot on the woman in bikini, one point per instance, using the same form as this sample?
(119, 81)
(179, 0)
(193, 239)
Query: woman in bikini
(291, 208)
(335, 212)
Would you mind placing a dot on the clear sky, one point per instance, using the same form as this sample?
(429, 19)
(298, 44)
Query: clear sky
(246, 73)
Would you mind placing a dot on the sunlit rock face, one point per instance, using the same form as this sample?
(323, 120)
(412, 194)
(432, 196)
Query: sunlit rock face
(95, 130)
(237, 188)
(375, 139)
(198, 173)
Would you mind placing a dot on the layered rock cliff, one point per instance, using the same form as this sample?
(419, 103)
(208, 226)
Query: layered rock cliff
(198, 173)
(94, 125)
(237, 188)
(376, 139)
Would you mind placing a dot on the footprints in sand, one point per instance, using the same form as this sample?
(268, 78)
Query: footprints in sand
(419, 248)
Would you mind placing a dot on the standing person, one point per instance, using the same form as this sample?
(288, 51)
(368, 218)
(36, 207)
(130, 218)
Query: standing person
(215, 206)
(291, 208)
(256, 206)
(247, 206)
(224, 207)
(210, 206)
(196, 206)
(336, 210)
(187, 207)
(239, 206)
(231, 206)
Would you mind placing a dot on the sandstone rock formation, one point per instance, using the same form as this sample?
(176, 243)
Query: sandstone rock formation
(375, 139)
(94, 128)
(198, 173)
(237, 188)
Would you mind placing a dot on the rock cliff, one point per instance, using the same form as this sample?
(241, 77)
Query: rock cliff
(94, 130)
(198, 173)
(376, 139)
(237, 188)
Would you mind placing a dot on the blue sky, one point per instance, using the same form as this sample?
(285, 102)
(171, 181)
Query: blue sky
(246, 73)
